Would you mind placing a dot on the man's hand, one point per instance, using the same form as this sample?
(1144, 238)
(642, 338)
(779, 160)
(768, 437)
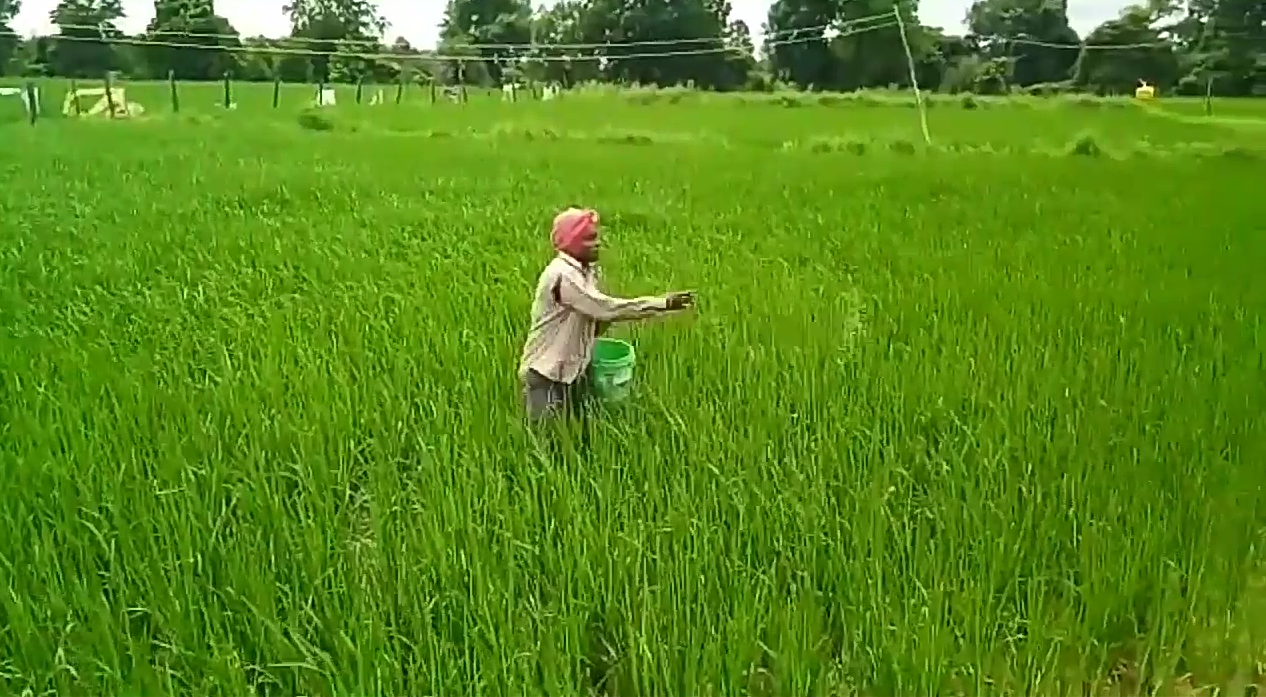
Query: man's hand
(680, 301)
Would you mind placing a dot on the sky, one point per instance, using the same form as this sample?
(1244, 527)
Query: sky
(418, 20)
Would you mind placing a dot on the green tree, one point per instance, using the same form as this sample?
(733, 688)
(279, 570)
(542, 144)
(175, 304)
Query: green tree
(741, 69)
(796, 43)
(337, 30)
(693, 31)
(31, 57)
(1178, 45)
(255, 62)
(1033, 35)
(843, 44)
(1150, 57)
(938, 57)
(1228, 40)
(85, 32)
(478, 23)
(406, 61)
(462, 63)
(868, 57)
(555, 31)
(9, 40)
(189, 22)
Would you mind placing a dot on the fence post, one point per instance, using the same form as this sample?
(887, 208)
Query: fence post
(228, 89)
(276, 90)
(109, 92)
(175, 97)
(432, 84)
(32, 101)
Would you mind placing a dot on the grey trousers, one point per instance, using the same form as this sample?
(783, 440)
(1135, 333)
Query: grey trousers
(559, 412)
(546, 399)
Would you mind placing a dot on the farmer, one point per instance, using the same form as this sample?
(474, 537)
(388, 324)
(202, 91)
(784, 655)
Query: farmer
(568, 314)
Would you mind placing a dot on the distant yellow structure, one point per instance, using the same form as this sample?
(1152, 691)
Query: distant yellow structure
(117, 98)
(1145, 91)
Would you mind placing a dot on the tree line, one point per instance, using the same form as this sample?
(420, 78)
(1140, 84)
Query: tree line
(1184, 47)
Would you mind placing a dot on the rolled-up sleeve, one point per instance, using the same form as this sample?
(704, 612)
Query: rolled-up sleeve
(597, 305)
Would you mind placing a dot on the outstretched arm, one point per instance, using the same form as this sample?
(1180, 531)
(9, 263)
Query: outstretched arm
(599, 306)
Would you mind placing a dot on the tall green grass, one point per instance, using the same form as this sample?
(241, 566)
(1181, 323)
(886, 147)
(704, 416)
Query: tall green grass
(941, 424)
(758, 119)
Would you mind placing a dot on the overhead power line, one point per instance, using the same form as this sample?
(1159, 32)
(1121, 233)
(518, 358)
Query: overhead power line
(1092, 47)
(815, 31)
(289, 51)
(793, 36)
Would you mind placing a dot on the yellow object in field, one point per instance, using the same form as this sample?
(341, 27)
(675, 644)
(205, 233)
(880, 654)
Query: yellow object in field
(1145, 91)
(116, 99)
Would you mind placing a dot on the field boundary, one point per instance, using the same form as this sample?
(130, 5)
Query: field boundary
(1233, 123)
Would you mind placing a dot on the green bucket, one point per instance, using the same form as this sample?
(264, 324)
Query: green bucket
(613, 362)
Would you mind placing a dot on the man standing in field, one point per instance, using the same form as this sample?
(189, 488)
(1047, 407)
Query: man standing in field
(569, 312)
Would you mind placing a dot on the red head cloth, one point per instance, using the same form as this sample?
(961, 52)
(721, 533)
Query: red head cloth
(573, 228)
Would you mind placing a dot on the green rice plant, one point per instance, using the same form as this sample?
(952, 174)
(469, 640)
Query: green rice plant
(941, 425)
(314, 120)
(850, 144)
(1086, 144)
(901, 146)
